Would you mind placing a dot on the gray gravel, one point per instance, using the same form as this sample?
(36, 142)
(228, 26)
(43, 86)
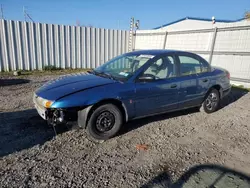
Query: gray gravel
(30, 156)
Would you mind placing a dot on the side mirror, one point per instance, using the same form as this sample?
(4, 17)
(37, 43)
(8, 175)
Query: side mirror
(146, 78)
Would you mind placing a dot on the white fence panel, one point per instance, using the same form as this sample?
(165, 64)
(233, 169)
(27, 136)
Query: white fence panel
(189, 41)
(30, 46)
(238, 66)
(227, 47)
(233, 41)
(205, 56)
(145, 40)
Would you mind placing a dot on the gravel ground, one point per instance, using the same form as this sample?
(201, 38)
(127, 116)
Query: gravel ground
(30, 155)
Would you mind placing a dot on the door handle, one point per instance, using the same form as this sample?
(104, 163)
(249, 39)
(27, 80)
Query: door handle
(173, 86)
(204, 80)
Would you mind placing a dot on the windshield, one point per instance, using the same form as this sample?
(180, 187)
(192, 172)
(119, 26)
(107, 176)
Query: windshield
(124, 66)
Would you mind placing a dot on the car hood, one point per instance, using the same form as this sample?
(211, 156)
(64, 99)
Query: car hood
(70, 84)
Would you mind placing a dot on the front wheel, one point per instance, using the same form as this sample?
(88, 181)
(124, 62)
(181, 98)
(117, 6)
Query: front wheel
(212, 101)
(105, 122)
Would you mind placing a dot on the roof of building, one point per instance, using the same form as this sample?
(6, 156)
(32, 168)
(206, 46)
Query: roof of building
(200, 19)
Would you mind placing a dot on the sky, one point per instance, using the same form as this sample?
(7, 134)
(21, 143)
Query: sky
(116, 14)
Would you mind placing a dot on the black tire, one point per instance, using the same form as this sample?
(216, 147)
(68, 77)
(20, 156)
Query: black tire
(211, 102)
(105, 122)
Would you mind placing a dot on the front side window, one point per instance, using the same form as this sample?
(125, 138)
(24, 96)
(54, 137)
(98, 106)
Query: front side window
(162, 68)
(123, 67)
(190, 65)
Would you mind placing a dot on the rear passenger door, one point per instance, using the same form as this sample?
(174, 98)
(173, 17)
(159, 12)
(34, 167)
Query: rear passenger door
(189, 67)
(203, 79)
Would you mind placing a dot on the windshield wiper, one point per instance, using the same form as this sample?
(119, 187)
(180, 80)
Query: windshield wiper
(103, 74)
(109, 75)
(92, 72)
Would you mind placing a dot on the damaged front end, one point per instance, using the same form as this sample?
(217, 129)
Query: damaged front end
(54, 116)
(61, 116)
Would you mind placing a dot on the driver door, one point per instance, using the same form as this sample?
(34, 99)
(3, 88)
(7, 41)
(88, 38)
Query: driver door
(159, 94)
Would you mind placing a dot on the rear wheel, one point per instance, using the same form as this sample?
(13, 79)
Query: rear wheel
(105, 122)
(212, 101)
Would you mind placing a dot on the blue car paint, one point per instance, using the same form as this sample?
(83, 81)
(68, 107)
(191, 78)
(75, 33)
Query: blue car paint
(123, 92)
(156, 97)
(138, 99)
(69, 84)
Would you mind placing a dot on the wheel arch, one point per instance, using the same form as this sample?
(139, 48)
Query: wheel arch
(217, 87)
(84, 115)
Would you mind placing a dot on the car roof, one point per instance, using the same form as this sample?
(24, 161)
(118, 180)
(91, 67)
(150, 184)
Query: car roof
(151, 52)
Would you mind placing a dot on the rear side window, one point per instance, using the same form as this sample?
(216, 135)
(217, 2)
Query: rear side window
(190, 65)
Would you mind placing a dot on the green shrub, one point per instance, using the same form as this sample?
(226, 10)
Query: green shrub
(51, 68)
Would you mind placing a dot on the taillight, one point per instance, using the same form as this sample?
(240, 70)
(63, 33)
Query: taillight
(228, 75)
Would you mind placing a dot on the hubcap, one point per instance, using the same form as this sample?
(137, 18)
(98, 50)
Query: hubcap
(105, 121)
(211, 101)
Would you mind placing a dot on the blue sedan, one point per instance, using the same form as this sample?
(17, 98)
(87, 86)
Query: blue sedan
(130, 86)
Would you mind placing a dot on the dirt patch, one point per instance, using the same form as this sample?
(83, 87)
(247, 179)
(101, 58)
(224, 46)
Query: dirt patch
(30, 156)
